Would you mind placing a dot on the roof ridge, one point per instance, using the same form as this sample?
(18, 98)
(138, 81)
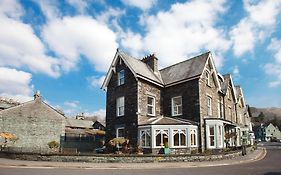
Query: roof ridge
(188, 59)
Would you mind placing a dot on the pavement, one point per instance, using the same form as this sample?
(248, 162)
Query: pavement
(256, 155)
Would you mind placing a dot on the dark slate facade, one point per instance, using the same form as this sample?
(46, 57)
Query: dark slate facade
(195, 80)
(129, 91)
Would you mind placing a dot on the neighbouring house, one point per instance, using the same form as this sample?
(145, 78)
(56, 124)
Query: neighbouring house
(267, 132)
(186, 106)
(259, 130)
(82, 135)
(34, 123)
(7, 103)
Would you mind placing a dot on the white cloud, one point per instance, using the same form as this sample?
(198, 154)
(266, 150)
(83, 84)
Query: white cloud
(143, 5)
(72, 104)
(259, 23)
(274, 69)
(100, 113)
(236, 72)
(96, 81)
(49, 8)
(275, 46)
(177, 34)
(80, 5)
(20, 47)
(15, 84)
(11, 9)
(72, 37)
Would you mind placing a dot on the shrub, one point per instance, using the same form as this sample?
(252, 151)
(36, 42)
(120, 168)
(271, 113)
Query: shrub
(53, 144)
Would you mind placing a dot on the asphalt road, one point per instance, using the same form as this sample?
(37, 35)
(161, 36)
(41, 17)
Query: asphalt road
(270, 165)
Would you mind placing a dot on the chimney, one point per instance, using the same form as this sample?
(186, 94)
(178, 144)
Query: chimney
(37, 95)
(151, 61)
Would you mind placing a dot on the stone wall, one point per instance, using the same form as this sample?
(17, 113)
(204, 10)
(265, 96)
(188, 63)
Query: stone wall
(129, 91)
(190, 100)
(122, 158)
(146, 89)
(34, 123)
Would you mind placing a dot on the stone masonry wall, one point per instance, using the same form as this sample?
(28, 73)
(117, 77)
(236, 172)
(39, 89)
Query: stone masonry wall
(34, 124)
(190, 100)
(129, 91)
(146, 89)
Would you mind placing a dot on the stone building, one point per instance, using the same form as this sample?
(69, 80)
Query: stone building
(34, 123)
(185, 106)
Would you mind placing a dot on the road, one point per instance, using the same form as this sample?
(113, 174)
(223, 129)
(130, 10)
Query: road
(270, 165)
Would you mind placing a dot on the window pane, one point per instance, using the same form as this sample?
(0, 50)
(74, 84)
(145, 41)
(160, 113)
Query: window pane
(158, 139)
(150, 100)
(176, 105)
(165, 139)
(121, 77)
(120, 132)
(150, 105)
(212, 140)
(149, 110)
(148, 139)
(176, 139)
(183, 139)
(212, 131)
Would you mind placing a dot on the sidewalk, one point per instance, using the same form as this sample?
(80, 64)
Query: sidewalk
(254, 156)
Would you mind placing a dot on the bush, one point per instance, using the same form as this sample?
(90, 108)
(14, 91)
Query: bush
(53, 144)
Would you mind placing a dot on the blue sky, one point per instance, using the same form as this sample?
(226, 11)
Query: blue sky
(64, 48)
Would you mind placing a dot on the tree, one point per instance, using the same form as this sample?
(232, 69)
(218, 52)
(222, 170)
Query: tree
(261, 117)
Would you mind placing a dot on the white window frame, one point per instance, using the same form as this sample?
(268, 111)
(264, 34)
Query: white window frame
(220, 136)
(193, 132)
(208, 78)
(121, 77)
(209, 105)
(219, 110)
(119, 107)
(117, 131)
(179, 131)
(145, 132)
(176, 112)
(161, 131)
(209, 136)
(151, 105)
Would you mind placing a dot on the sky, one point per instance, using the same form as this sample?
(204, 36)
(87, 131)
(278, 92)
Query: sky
(64, 48)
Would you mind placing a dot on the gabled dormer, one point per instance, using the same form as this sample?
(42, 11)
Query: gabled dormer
(139, 68)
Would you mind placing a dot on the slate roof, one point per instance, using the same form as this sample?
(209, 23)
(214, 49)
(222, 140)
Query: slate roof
(74, 123)
(161, 120)
(225, 83)
(184, 70)
(140, 68)
(187, 69)
(238, 91)
(28, 108)
(4, 103)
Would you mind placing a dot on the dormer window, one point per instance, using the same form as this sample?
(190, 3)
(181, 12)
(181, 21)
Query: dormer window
(208, 78)
(121, 77)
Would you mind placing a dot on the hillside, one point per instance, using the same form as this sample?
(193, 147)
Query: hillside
(269, 113)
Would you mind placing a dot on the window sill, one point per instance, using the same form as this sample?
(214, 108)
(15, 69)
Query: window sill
(175, 115)
(120, 116)
(179, 146)
(151, 115)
